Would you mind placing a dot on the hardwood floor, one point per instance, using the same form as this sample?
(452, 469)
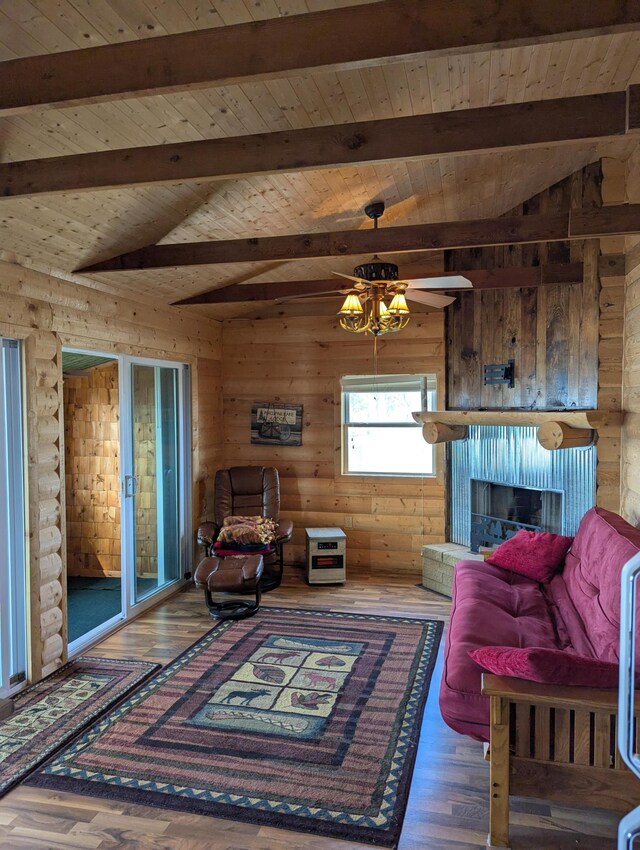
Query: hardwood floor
(448, 805)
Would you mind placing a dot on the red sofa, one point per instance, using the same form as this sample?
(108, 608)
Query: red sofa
(577, 611)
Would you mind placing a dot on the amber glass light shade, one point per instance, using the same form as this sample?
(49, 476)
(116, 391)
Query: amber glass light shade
(399, 306)
(351, 307)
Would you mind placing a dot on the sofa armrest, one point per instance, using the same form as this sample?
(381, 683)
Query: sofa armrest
(565, 696)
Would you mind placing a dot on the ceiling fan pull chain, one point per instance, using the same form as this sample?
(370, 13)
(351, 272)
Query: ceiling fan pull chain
(375, 361)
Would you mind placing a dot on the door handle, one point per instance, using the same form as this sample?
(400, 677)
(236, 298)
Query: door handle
(130, 486)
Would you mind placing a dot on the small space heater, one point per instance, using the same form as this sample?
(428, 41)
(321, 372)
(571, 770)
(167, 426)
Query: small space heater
(326, 555)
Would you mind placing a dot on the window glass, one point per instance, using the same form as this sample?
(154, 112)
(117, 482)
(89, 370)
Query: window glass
(380, 435)
(384, 406)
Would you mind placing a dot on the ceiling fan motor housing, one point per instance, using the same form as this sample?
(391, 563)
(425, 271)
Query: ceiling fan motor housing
(376, 270)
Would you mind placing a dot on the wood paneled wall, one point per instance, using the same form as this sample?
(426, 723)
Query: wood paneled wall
(92, 471)
(46, 313)
(566, 340)
(550, 331)
(301, 360)
(610, 343)
(631, 376)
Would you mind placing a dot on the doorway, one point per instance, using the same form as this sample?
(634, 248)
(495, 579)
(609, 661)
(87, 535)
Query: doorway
(127, 498)
(92, 477)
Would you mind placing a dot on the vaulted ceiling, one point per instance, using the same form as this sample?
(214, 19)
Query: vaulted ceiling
(63, 232)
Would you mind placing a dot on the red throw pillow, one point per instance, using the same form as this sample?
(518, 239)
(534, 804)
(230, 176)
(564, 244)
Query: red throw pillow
(534, 554)
(547, 666)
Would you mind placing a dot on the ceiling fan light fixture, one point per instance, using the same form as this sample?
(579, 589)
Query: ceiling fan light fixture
(364, 309)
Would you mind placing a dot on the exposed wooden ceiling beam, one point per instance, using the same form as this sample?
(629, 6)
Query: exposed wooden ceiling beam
(460, 132)
(553, 227)
(347, 37)
(514, 277)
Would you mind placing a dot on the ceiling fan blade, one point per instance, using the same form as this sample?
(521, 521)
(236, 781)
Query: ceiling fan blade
(433, 299)
(326, 294)
(350, 277)
(454, 281)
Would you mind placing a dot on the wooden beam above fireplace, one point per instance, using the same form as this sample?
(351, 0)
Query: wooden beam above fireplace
(557, 429)
(523, 418)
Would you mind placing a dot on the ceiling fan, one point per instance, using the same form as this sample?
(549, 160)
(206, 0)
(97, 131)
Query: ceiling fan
(373, 283)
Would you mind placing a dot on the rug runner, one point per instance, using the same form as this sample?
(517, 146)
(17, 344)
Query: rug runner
(47, 715)
(305, 720)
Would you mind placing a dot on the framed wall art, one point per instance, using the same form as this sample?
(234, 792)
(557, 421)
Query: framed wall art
(276, 424)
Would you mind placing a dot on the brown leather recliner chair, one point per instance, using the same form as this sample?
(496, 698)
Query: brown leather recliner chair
(249, 491)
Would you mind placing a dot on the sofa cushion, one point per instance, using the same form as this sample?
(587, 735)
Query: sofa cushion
(587, 592)
(547, 666)
(489, 606)
(534, 554)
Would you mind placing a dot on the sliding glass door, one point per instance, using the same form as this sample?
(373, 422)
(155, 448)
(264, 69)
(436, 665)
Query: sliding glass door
(136, 547)
(155, 465)
(13, 637)
(154, 486)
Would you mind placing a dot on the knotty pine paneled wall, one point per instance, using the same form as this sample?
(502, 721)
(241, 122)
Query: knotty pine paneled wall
(610, 341)
(301, 360)
(631, 374)
(45, 313)
(92, 471)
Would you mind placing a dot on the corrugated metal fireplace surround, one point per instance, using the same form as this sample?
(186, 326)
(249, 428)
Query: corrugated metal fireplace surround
(512, 456)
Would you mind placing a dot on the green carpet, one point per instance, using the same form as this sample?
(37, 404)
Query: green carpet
(93, 601)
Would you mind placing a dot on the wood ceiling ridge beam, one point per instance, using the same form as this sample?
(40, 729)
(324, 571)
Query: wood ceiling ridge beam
(620, 220)
(456, 133)
(498, 278)
(348, 37)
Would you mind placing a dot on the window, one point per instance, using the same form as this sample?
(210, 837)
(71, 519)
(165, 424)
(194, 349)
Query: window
(379, 433)
(12, 552)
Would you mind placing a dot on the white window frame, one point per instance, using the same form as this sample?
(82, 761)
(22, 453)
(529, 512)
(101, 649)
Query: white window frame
(425, 383)
(13, 571)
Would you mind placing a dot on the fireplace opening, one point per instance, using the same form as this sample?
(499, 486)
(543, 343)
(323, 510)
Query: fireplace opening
(498, 511)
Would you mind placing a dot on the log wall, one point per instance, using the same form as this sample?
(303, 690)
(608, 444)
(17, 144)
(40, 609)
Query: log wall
(46, 313)
(301, 360)
(92, 471)
(45, 473)
(631, 381)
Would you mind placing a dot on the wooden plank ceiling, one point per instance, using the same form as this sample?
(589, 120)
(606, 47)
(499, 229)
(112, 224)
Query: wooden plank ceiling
(66, 231)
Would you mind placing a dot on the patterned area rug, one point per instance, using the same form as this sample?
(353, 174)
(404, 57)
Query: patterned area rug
(49, 714)
(304, 720)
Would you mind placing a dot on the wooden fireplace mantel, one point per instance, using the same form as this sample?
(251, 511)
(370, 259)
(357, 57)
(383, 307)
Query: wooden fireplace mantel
(557, 429)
